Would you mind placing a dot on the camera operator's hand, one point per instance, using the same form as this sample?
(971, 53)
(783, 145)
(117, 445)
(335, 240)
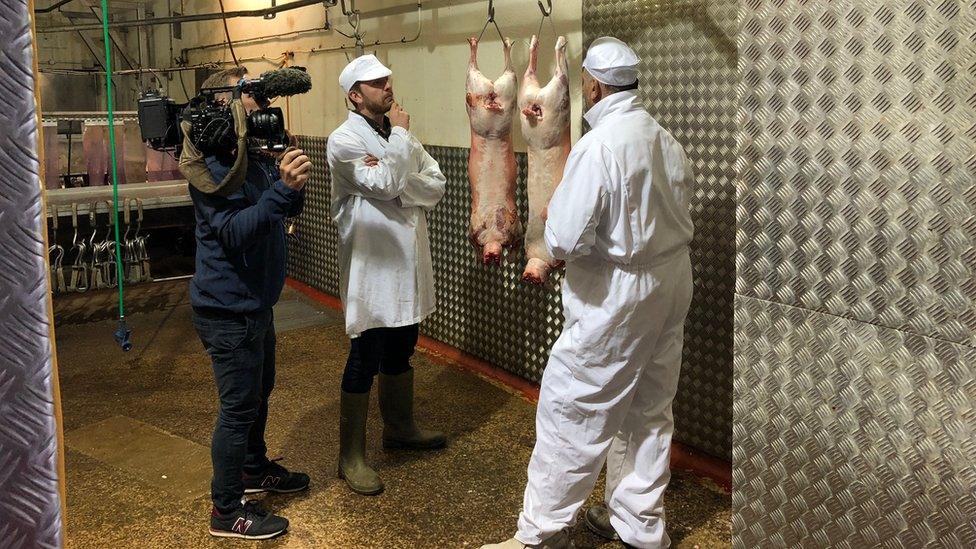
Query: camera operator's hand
(295, 168)
(399, 117)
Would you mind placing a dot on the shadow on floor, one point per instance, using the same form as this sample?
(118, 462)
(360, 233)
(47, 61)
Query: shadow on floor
(463, 496)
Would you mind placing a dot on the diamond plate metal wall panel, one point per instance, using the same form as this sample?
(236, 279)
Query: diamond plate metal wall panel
(850, 435)
(313, 253)
(489, 312)
(688, 82)
(689, 76)
(855, 311)
(858, 159)
(30, 513)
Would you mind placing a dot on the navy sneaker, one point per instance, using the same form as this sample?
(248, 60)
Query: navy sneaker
(275, 478)
(250, 521)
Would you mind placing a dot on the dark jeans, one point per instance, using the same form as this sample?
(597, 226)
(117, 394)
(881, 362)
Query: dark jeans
(242, 349)
(386, 350)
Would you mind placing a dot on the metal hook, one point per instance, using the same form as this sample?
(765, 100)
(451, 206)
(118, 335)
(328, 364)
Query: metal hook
(130, 261)
(127, 217)
(546, 14)
(94, 266)
(352, 14)
(54, 221)
(110, 223)
(58, 285)
(491, 21)
(138, 217)
(93, 221)
(53, 242)
(107, 249)
(74, 223)
(142, 253)
(79, 270)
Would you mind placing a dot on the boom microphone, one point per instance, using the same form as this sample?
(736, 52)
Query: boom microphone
(279, 83)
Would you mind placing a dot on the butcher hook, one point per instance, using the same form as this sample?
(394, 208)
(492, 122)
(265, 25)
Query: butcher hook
(491, 21)
(354, 21)
(546, 14)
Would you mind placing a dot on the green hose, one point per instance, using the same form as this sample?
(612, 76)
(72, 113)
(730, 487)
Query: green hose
(122, 336)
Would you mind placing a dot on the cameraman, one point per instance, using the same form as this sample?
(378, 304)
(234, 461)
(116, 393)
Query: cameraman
(240, 271)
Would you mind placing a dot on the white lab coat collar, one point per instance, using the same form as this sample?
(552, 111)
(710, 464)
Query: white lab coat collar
(359, 125)
(614, 103)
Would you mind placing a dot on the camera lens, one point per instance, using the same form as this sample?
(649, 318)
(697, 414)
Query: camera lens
(264, 123)
(268, 125)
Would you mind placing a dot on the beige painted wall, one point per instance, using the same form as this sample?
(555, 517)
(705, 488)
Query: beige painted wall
(429, 74)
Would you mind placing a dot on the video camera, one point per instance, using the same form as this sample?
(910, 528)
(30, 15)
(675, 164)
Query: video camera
(211, 119)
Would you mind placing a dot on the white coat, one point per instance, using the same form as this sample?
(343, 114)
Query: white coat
(620, 219)
(386, 274)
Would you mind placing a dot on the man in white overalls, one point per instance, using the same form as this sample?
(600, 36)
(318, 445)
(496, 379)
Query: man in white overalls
(383, 185)
(620, 219)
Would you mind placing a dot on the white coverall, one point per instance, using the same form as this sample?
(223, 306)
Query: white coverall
(620, 219)
(386, 275)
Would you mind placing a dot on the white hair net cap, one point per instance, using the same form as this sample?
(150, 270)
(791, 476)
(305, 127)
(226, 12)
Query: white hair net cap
(362, 69)
(612, 62)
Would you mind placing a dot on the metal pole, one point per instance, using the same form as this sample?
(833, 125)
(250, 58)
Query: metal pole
(188, 18)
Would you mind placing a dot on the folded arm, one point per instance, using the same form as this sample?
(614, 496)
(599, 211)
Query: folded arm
(425, 187)
(382, 180)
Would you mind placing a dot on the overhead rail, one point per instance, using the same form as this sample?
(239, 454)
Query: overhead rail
(156, 21)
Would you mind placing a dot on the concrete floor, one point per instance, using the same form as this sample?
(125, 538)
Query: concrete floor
(159, 400)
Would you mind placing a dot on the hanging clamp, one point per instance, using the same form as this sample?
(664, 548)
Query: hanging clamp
(491, 21)
(354, 21)
(545, 12)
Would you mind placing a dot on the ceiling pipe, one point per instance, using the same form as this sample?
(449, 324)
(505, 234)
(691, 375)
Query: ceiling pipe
(51, 8)
(358, 46)
(70, 71)
(409, 7)
(189, 18)
(256, 39)
(418, 7)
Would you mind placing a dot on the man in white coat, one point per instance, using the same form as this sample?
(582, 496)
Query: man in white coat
(383, 185)
(620, 219)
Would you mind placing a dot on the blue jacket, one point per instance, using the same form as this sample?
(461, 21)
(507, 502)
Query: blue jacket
(241, 248)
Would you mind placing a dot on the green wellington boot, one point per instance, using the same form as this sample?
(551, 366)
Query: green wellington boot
(396, 406)
(352, 445)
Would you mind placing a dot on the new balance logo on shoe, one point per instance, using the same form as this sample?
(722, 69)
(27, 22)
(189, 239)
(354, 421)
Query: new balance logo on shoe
(251, 521)
(270, 481)
(241, 525)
